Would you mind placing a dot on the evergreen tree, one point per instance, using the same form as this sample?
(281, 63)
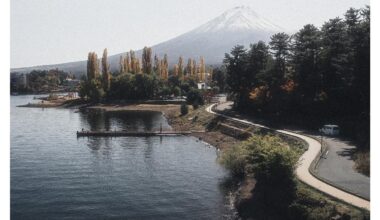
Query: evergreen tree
(219, 77)
(258, 58)
(236, 63)
(279, 46)
(305, 61)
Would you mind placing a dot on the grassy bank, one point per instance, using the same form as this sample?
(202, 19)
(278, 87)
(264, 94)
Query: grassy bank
(362, 162)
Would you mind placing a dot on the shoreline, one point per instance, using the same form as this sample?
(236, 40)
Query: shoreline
(213, 136)
(172, 114)
(195, 120)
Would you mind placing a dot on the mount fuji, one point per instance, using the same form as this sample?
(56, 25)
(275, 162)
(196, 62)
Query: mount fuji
(239, 25)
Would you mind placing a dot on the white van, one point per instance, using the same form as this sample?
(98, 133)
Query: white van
(332, 130)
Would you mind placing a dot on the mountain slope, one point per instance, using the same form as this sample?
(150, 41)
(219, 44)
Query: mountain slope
(239, 25)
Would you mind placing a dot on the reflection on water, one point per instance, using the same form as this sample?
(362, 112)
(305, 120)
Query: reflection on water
(55, 175)
(123, 120)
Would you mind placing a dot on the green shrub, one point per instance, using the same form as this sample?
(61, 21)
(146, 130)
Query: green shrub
(234, 159)
(272, 162)
(194, 97)
(195, 104)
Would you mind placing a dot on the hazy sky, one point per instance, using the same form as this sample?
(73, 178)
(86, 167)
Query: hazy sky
(57, 31)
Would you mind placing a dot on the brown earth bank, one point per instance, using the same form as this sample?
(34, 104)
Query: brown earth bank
(55, 103)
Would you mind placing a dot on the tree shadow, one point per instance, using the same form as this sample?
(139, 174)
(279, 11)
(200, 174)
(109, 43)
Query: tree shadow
(348, 152)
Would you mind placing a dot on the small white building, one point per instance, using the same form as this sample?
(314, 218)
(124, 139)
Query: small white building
(203, 85)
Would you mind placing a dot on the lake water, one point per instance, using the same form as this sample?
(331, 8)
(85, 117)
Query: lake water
(55, 175)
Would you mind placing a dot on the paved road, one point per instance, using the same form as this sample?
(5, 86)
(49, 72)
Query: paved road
(337, 167)
(302, 171)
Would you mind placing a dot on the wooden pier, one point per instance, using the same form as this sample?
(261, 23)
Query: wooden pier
(132, 133)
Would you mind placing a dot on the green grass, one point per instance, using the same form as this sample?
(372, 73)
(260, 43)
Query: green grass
(316, 205)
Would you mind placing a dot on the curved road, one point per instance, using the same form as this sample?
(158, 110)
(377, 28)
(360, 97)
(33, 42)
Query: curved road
(305, 161)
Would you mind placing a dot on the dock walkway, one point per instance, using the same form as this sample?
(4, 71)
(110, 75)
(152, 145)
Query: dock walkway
(132, 133)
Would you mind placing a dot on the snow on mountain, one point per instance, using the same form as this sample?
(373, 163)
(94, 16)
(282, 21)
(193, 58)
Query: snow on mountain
(238, 19)
(239, 25)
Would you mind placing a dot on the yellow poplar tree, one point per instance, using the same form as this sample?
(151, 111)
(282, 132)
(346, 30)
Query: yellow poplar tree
(106, 71)
(92, 66)
(147, 60)
(175, 70)
(202, 69)
(180, 67)
(121, 65)
(157, 66)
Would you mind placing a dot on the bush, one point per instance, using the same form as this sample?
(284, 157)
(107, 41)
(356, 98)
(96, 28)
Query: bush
(234, 159)
(271, 161)
(195, 104)
(184, 109)
(194, 97)
(176, 91)
(91, 89)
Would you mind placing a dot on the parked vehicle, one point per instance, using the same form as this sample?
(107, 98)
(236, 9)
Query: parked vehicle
(332, 130)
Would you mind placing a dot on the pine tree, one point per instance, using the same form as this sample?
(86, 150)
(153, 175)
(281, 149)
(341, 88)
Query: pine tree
(236, 63)
(305, 61)
(280, 46)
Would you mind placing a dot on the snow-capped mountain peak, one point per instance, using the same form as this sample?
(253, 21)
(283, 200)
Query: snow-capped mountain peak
(241, 18)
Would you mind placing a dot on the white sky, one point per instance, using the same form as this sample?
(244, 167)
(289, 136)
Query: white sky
(57, 31)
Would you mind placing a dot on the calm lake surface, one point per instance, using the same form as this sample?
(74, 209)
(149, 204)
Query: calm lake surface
(54, 175)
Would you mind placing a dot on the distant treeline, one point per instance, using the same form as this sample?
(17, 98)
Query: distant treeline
(316, 76)
(39, 81)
